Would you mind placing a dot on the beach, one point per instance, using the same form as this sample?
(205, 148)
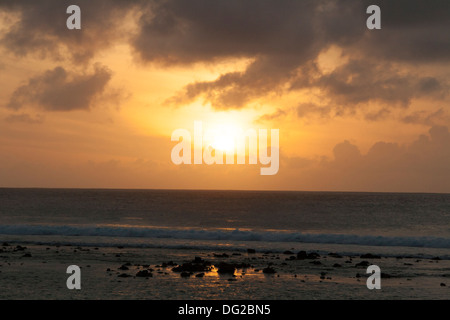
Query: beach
(39, 272)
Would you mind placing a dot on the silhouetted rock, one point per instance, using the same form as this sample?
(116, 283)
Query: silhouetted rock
(223, 255)
(313, 255)
(302, 255)
(200, 275)
(27, 255)
(335, 255)
(123, 267)
(269, 270)
(291, 258)
(144, 274)
(124, 275)
(185, 274)
(442, 284)
(288, 252)
(362, 264)
(251, 251)
(337, 265)
(200, 261)
(168, 264)
(224, 268)
(197, 265)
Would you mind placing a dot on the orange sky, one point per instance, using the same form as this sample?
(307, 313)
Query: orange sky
(357, 110)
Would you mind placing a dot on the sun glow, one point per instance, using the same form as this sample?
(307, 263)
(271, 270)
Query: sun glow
(223, 137)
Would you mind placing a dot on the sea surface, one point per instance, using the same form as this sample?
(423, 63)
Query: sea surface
(389, 223)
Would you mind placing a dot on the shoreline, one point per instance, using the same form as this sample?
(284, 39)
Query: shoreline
(228, 245)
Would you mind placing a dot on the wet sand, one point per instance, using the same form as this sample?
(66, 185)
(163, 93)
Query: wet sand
(39, 272)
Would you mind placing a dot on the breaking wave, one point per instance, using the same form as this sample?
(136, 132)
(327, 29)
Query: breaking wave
(224, 235)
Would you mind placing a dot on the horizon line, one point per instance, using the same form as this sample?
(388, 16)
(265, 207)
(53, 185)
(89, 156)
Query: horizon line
(226, 190)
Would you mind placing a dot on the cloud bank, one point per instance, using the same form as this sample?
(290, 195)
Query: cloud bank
(282, 38)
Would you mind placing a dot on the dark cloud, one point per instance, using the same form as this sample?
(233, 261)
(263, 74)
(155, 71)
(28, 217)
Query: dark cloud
(357, 83)
(41, 27)
(235, 89)
(199, 30)
(60, 90)
(282, 37)
(285, 37)
(361, 81)
(414, 31)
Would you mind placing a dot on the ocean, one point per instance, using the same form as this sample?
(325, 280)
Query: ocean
(157, 217)
(182, 223)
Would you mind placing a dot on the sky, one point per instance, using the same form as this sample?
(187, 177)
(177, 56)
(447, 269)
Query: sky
(356, 109)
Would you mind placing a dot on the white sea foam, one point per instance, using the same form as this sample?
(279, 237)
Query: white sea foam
(224, 235)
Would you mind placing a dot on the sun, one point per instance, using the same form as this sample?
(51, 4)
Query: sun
(224, 143)
(223, 137)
